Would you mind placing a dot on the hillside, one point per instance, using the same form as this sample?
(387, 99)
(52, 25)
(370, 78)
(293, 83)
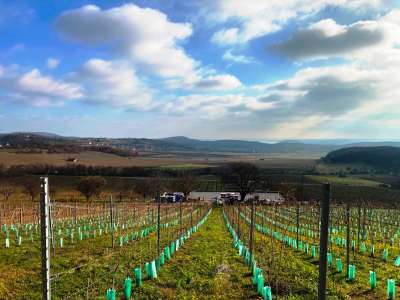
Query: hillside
(28, 141)
(248, 146)
(381, 157)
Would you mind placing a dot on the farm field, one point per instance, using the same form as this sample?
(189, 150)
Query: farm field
(349, 180)
(153, 159)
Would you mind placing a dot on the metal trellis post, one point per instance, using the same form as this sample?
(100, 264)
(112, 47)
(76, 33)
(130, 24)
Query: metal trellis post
(45, 236)
(323, 243)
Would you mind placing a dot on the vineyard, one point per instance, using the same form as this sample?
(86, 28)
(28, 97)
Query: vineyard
(193, 250)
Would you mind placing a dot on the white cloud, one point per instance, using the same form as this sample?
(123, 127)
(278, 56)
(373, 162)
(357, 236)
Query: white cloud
(144, 35)
(242, 59)
(211, 106)
(329, 39)
(217, 82)
(52, 63)
(257, 18)
(34, 88)
(112, 83)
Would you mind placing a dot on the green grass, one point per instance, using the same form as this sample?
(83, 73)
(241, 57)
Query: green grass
(206, 267)
(344, 180)
(184, 166)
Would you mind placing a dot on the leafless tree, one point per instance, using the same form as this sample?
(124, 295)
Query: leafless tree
(6, 190)
(91, 186)
(186, 183)
(143, 188)
(244, 176)
(31, 187)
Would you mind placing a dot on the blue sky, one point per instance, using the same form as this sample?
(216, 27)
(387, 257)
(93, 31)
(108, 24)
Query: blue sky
(263, 70)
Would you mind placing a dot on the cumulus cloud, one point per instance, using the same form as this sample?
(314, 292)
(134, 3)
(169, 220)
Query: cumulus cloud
(257, 18)
(211, 106)
(144, 35)
(327, 38)
(35, 88)
(236, 58)
(112, 83)
(217, 82)
(52, 63)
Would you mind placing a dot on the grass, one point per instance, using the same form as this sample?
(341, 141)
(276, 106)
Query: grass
(206, 267)
(349, 180)
(294, 274)
(20, 276)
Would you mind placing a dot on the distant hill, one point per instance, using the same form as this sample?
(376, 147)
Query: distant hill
(57, 143)
(248, 146)
(381, 157)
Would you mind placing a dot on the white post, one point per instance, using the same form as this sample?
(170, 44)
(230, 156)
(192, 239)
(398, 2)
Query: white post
(45, 236)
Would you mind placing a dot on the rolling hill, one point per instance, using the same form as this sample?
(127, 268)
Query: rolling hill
(380, 157)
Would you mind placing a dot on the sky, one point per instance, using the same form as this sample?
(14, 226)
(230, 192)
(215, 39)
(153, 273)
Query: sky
(261, 70)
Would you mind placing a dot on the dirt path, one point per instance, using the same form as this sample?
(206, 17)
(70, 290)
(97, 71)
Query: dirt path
(206, 267)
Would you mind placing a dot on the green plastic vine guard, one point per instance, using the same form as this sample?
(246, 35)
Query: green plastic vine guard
(363, 248)
(255, 275)
(172, 248)
(158, 264)
(329, 259)
(391, 289)
(153, 269)
(260, 284)
(138, 277)
(313, 252)
(254, 268)
(147, 268)
(372, 280)
(267, 293)
(397, 261)
(111, 294)
(162, 258)
(352, 272)
(339, 265)
(128, 288)
(7, 243)
(385, 254)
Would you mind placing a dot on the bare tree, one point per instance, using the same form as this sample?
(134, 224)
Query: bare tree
(143, 187)
(91, 186)
(186, 183)
(244, 176)
(31, 187)
(6, 190)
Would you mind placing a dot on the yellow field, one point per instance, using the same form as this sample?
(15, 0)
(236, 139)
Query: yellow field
(149, 159)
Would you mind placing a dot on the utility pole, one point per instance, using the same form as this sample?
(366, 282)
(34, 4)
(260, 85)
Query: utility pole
(323, 242)
(45, 236)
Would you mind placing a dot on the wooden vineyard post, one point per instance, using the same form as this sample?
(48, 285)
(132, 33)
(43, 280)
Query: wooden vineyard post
(112, 221)
(323, 240)
(238, 218)
(180, 216)
(297, 222)
(347, 236)
(358, 225)
(251, 241)
(158, 222)
(45, 237)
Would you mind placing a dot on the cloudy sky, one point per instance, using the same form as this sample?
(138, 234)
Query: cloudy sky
(251, 69)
